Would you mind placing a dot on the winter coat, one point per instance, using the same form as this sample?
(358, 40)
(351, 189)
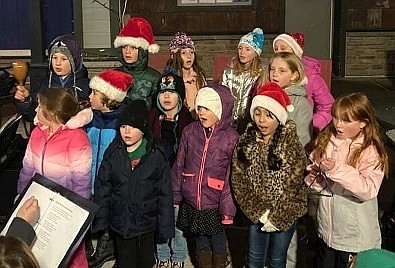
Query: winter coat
(64, 157)
(240, 86)
(22, 229)
(101, 132)
(257, 189)
(348, 220)
(302, 114)
(77, 80)
(183, 118)
(318, 94)
(202, 168)
(144, 78)
(134, 201)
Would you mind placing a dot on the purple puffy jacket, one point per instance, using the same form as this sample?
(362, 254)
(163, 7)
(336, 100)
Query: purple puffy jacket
(202, 168)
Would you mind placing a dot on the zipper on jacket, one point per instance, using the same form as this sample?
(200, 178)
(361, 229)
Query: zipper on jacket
(44, 150)
(97, 154)
(201, 171)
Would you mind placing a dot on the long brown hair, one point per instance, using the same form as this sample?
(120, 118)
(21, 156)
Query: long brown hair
(176, 62)
(355, 106)
(59, 104)
(14, 253)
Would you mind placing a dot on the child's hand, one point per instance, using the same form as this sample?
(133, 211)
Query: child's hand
(21, 93)
(327, 164)
(29, 211)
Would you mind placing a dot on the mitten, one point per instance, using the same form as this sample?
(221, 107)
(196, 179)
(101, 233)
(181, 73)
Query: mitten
(269, 227)
(263, 219)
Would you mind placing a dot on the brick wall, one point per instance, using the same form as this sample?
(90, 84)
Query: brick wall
(370, 54)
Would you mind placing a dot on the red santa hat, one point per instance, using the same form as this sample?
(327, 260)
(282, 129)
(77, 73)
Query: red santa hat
(294, 40)
(137, 32)
(273, 98)
(112, 83)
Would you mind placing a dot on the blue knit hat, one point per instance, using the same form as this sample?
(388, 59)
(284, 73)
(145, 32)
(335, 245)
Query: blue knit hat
(254, 39)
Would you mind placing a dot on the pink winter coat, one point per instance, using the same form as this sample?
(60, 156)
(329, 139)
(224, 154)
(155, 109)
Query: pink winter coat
(317, 94)
(64, 157)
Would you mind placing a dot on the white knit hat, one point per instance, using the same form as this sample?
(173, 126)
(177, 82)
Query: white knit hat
(254, 39)
(297, 49)
(112, 83)
(273, 98)
(208, 98)
(137, 32)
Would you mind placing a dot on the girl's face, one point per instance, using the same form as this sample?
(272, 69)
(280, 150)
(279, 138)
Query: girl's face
(347, 129)
(130, 54)
(246, 53)
(61, 64)
(280, 73)
(130, 135)
(168, 100)
(281, 46)
(266, 122)
(95, 98)
(207, 117)
(188, 57)
(40, 110)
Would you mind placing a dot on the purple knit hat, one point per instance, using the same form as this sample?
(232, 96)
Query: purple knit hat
(181, 41)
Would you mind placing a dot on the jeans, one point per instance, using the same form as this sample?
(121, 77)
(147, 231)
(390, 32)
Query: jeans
(178, 246)
(272, 246)
(216, 243)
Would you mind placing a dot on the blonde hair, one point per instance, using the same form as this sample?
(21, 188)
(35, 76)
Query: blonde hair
(350, 107)
(294, 64)
(58, 104)
(254, 69)
(14, 253)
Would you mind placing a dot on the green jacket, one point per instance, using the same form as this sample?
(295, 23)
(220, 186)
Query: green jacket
(144, 78)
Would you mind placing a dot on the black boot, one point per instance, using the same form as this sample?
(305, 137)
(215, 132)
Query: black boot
(104, 251)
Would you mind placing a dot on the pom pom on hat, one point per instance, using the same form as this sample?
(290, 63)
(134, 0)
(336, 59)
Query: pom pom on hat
(135, 115)
(254, 39)
(112, 83)
(294, 40)
(273, 98)
(137, 32)
(208, 98)
(181, 41)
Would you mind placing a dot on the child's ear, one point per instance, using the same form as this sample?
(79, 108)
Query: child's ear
(295, 76)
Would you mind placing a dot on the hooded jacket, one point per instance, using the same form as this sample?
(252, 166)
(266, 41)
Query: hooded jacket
(135, 201)
(348, 218)
(144, 78)
(77, 80)
(257, 189)
(318, 94)
(202, 168)
(64, 157)
(302, 114)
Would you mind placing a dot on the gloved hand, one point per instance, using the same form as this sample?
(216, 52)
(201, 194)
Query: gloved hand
(269, 227)
(263, 219)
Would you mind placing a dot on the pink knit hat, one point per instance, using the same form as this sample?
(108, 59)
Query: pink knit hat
(181, 41)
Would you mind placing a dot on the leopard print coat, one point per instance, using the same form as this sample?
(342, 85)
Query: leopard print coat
(256, 188)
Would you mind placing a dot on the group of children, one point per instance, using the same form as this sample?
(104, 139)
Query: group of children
(165, 155)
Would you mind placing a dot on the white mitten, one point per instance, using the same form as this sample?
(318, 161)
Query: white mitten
(269, 227)
(263, 219)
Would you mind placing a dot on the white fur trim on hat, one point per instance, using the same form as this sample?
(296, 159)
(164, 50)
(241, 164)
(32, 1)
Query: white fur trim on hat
(136, 42)
(271, 105)
(208, 98)
(291, 42)
(107, 89)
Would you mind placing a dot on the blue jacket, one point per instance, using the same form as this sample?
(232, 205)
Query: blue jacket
(101, 132)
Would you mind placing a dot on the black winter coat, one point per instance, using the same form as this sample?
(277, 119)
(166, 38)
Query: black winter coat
(135, 201)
